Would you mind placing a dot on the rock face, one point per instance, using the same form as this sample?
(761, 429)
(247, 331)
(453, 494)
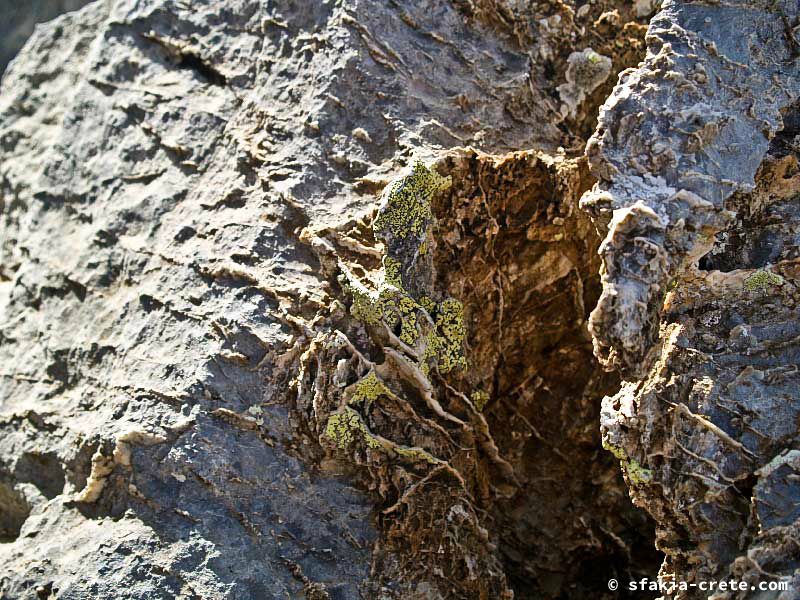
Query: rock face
(705, 325)
(226, 376)
(675, 140)
(295, 299)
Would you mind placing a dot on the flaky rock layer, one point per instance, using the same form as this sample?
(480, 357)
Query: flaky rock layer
(696, 160)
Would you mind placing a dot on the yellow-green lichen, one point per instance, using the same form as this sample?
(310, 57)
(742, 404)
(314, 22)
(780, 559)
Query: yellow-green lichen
(406, 209)
(368, 389)
(388, 297)
(366, 305)
(416, 454)
(391, 272)
(636, 473)
(346, 427)
(450, 344)
(479, 399)
(365, 308)
(593, 58)
(762, 281)
(394, 307)
(407, 204)
(429, 353)
(408, 320)
(618, 452)
(428, 304)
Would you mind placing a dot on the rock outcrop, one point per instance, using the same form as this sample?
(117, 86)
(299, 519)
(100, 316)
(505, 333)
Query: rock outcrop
(675, 140)
(226, 376)
(296, 299)
(20, 18)
(697, 168)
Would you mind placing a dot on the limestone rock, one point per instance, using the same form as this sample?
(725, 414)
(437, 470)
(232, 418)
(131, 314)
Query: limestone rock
(698, 180)
(186, 403)
(19, 19)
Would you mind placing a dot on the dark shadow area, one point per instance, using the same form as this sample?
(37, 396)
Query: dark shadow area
(525, 264)
(43, 470)
(19, 19)
(14, 510)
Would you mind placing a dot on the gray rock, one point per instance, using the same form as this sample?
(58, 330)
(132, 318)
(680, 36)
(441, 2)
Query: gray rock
(698, 172)
(586, 71)
(675, 140)
(178, 181)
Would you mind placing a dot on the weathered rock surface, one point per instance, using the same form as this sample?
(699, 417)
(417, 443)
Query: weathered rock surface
(229, 373)
(675, 140)
(697, 161)
(186, 276)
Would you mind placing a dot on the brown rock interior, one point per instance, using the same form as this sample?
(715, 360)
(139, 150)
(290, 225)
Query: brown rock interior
(523, 258)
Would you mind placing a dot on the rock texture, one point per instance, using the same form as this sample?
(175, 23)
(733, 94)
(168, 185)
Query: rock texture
(296, 299)
(675, 140)
(225, 375)
(697, 164)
